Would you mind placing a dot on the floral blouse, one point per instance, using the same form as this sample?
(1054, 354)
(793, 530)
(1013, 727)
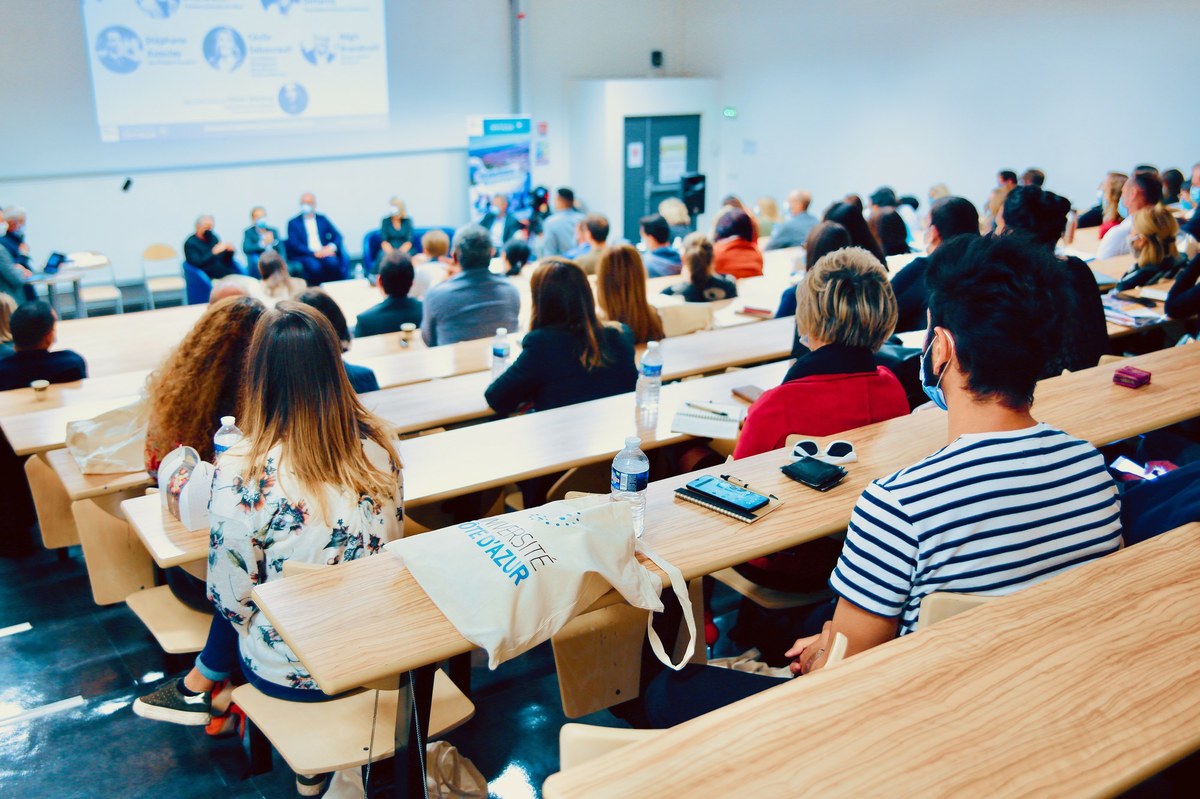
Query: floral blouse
(255, 528)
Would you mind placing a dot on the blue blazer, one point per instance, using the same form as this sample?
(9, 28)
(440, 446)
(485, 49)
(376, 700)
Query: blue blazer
(297, 237)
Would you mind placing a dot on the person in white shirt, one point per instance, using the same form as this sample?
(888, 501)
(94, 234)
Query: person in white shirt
(1143, 190)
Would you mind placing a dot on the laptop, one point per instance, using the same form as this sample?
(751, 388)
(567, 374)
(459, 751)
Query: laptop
(54, 262)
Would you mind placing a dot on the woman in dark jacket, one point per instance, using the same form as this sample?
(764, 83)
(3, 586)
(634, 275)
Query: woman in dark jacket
(568, 356)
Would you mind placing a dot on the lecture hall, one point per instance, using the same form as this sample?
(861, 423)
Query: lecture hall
(568, 399)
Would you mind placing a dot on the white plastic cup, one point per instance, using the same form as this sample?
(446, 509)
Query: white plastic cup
(40, 389)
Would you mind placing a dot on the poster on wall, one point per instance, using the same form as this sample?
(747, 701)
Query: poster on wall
(498, 161)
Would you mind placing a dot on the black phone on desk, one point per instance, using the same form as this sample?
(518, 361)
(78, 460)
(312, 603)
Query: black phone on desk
(814, 473)
(727, 493)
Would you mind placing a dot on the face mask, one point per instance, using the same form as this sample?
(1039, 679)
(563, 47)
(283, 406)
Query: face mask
(261, 224)
(3, 228)
(306, 208)
(934, 392)
(1122, 209)
(1195, 192)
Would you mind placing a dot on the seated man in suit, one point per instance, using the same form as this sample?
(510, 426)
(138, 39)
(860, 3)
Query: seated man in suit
(395, 279)
(473, 303)
(315, 244)
(1006, 503)
(499, 222)
(260, 237)
(33, 335)
(13, 239)
(208, 253)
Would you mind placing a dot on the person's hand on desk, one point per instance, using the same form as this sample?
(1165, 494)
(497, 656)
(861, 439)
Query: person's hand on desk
(809, 653)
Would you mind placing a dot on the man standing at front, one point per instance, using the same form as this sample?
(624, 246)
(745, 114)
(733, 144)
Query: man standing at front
(315, 244)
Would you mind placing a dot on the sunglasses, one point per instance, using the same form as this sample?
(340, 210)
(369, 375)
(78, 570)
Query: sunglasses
(836, 452)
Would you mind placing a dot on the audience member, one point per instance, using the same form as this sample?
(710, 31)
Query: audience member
(937, 191)
(1006, 181)
(205, 251)
(766, 211)
(882, 199)
(316, 479)
(1190, 194)
(514, 256)
(851, 218)
(32, 336)
(395, 279)
(499, 222)
(1142, 190)
(1157, 256)
(1042, 216)
(395, 231)
(200, 381)
(907, 206)
(277, 284)
(232, 286)
(7, 306)
(473, 303)
(678, 219)
(824, 238)
(12, 274)
(568, 356)
(621, 293)
(1033, 177)
(794, 232)
(559, 228)
(362, 379)
(991, 333)
(595, 237)
(735, 248)
(315, 244)
(661, 259)
(432, 265)
(889, 229)
(13, 238)
(260, 237)
(1172, 184)
(702, 285)
(950, 217)
(1105, 213)
(1183, 300)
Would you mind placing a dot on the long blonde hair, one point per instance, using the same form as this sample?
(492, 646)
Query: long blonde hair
(1155, 230)
(1113, 186)
(621, 292)
(7, 306)
(298, 397)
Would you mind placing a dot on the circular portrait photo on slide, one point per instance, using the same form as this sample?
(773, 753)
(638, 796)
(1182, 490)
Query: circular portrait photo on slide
(282, 6)
(158, 9)
(224, 49)
(119, 49)
(317, 51)
(293, 99)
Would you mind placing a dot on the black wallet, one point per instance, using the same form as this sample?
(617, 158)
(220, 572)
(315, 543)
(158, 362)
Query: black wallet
(814, 473)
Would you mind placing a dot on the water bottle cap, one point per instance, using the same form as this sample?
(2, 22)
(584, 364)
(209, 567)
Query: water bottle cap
(651, 345)
(227, 421)
(502, 331)
(633, 441)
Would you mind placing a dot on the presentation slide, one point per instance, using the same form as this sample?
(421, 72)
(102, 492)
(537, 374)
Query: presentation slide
(180, 69)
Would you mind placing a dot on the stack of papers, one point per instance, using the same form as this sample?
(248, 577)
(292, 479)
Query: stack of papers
(1130, 314)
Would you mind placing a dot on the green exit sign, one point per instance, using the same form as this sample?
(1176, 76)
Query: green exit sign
(729, 112)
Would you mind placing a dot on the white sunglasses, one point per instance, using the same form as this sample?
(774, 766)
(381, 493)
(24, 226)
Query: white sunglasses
(836, 452)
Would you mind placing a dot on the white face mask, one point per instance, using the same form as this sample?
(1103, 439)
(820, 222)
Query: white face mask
(3, 228)
(306, 208)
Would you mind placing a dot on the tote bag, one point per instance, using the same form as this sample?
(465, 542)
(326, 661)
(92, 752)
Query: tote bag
(111, 443)
(508, 583)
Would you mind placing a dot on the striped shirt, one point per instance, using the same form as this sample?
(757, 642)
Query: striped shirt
(988, 514)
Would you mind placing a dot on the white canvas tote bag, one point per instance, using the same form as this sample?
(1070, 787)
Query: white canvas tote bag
(113, 442)
(509, 582)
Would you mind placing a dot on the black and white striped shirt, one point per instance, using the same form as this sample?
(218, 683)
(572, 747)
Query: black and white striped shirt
(988, 514)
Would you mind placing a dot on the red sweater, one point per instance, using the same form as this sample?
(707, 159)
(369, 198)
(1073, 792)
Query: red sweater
(737, 257)
(820, 405)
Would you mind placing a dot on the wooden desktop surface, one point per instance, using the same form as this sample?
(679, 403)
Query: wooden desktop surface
(1081, 686)
(407, 630)
(85, 486)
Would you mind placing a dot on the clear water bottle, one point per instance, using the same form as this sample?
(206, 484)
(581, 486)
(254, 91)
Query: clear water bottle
(649, 382)
(630, 474)
(501, 350)
(227, 436)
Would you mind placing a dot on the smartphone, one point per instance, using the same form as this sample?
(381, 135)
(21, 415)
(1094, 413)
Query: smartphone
(728, 493)
(748, 393)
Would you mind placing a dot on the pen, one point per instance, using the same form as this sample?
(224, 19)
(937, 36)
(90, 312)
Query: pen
(707, 408)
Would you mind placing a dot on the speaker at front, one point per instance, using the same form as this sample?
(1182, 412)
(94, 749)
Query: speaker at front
(691, 190)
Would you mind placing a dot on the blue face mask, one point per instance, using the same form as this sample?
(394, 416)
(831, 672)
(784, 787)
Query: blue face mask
(934, 392)
(1123, 209)
(1195, 192)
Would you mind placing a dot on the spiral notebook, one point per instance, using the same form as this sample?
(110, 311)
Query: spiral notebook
(732, 511)
(709, 419)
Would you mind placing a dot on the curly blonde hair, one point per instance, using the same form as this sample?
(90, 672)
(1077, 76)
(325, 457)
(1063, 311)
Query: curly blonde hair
(201, 380)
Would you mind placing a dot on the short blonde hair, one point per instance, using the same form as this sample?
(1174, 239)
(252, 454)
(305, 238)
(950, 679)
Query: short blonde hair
(435, 243)
(1157, 229)
(846, 298)
(674, 211)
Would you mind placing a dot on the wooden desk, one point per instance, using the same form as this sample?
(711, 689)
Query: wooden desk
(407, 631)
(1086, 240)
(1080, 686)
(165, 537)
(81, 486)
(127, 342)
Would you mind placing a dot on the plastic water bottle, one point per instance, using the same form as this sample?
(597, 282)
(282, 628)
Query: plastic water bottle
(501, 350)
(227, 436)
(649, 382)
(630, 474)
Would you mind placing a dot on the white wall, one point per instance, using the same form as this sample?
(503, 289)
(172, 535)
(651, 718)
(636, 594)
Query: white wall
(846, 96)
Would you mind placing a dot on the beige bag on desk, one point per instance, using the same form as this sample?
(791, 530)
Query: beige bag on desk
(113, 442)
(508, 583)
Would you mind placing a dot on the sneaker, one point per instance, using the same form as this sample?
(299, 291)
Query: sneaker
(310, 784)
(169, 704)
